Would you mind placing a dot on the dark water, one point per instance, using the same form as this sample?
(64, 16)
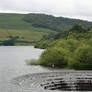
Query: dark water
(12, 64)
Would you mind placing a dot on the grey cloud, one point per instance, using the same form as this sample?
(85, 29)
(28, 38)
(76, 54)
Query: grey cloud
(70, 8)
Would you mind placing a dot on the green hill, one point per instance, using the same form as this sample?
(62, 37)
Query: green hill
(13, 21)
(54, 23)
(14, 25)
(30, 28)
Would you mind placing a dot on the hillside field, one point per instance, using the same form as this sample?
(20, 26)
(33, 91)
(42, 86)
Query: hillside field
(25, 36)
(13, 25)
(29, 28)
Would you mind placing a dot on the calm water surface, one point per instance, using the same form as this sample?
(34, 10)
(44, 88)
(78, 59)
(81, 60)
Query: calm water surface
(12, 64)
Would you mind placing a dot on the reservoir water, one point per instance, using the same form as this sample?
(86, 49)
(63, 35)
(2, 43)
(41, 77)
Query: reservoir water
(16, 76)
(12, 64)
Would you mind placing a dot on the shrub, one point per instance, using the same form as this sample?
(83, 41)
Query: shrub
(69, 44)
(89, 42)
(83, 58)
(54, 57)
(43, 44)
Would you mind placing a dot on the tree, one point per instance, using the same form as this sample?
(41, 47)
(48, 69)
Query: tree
(10, 42)
(83, 58)
(78, 28)
(54, 57)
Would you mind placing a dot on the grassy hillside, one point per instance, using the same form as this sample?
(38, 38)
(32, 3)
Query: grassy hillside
(13, 21)
(31, 27)
(25, 34)
(54, 23)
(14, 25)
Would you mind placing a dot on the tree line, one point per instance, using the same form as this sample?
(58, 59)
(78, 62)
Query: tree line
(72, 49)
(54, 23)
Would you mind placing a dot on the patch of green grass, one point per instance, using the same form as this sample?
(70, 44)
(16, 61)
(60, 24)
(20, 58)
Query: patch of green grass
(14, 25)
(16, 21)
(24, 35)
(13, 21)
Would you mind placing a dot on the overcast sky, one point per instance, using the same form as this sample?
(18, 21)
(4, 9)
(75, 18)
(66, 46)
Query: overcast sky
(68, 8)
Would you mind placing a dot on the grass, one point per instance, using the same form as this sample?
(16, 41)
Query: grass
(25, 36)
(14, 25)
(15, 21)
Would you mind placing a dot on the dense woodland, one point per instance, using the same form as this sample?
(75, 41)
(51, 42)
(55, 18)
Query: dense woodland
(71, 49)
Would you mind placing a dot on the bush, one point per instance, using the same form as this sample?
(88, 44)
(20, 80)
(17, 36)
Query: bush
(83, 58)
(89, 42)
(43, 44)
(69, 44)
(54, 57)
(10, 42)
